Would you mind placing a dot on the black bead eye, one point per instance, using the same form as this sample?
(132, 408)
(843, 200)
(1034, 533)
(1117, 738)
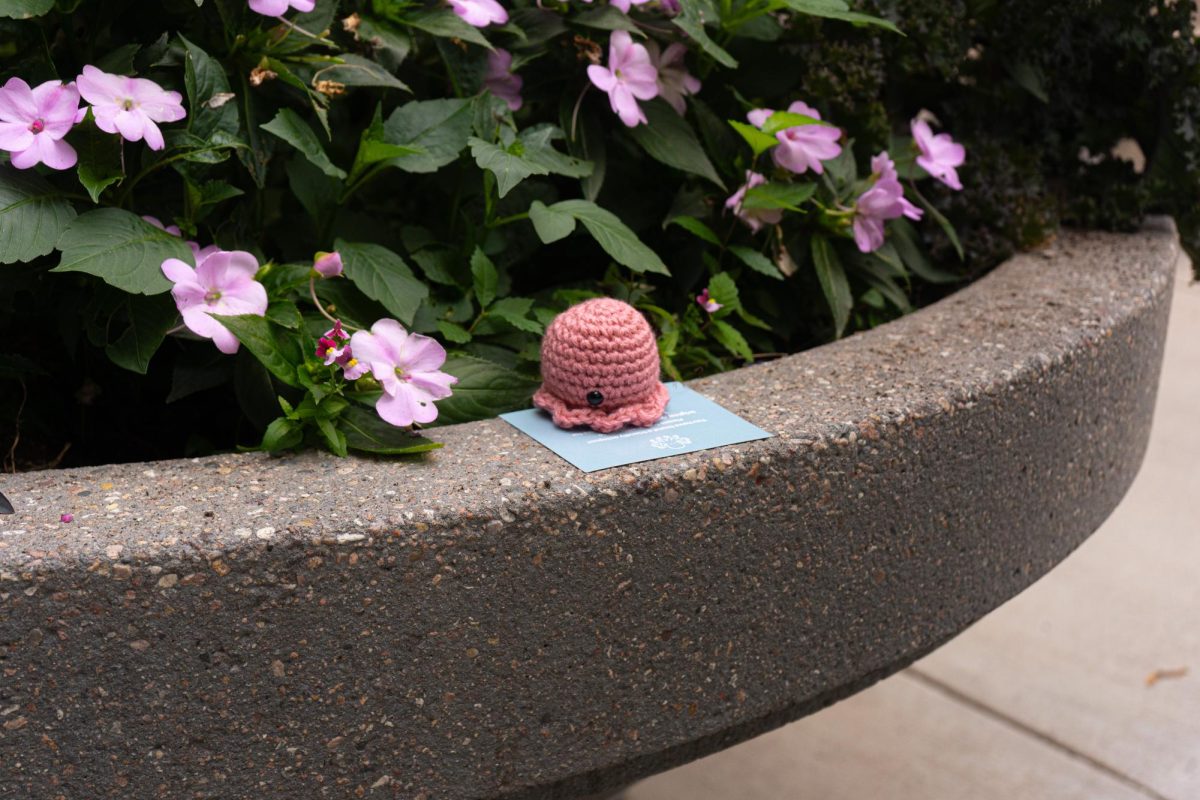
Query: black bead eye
(595, 398)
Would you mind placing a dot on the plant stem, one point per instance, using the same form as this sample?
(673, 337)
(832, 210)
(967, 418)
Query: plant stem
(496, 223)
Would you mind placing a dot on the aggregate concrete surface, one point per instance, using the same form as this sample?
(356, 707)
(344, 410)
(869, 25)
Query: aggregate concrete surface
(491, 622)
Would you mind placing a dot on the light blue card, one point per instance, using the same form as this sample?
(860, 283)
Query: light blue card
(692, 422)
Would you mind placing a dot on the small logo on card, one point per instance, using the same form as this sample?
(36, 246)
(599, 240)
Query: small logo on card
(670, 442)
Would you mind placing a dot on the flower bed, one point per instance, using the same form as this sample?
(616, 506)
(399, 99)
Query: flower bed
(463, 171)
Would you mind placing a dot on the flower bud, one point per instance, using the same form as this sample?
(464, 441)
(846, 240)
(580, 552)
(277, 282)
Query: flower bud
(327, 265)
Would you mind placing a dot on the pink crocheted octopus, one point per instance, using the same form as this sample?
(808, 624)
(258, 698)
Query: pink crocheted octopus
(600, 368)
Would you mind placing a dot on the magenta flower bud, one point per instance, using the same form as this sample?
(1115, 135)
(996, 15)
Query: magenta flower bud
(328, 265)
(66, 518)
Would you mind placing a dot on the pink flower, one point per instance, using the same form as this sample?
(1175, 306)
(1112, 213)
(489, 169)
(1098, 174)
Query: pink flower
(883, 201)
(883, 166)
(331, 349)
(407, 366)
(130, 106)
(222, 284)
(629, 77)
(480, 13)
(940, 154)
(66, 518)
(674, 81)
(198, 253)
(624, 5)
(754, 218)
(707, 303)
(803, 147)
(34, 121)
(328, 265)
(277, 8)
(500, 79)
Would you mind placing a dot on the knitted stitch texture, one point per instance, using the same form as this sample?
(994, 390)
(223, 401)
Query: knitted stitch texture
(603, 346)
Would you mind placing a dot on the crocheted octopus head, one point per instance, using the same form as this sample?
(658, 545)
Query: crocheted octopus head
(600, 368)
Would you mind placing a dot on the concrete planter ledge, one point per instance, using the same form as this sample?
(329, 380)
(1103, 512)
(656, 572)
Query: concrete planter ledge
(493, 623)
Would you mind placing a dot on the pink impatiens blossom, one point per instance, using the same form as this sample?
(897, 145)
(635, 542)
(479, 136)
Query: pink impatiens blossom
(328, 265)
(883, 166)
(222, 284)
(480, 13)
(130, 106)
(277, 8)
(707, 303)
(883, 201)
(501, 81)
(629, 77)
(803, 147)
(940, 154)
(408, 367)
(674, 81)
(34, 121)
(754, 218)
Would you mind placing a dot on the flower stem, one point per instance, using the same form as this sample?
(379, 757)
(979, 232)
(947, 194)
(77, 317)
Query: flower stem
(312, 292)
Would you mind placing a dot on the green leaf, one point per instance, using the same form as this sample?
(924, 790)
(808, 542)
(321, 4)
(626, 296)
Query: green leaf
(334, 438)
(833, 282)
(759, 142)
(282, 434)
(122, 248)
(211, 107)
(483, 390)
(835, 9)
(483, 272)
(614, 236)
(732, 340)
(384, 277)
(907, 242)
(25, 9)
(32, 216)
(669, 138)
(783, 120)
(288, 125)
(285, 314)
(756, 261)
(446, 24)
(452, 332)
(779, 195)
(358, 71)
(1029, 78)
(279, 355)
(391, 44)
(373, 146)
(119, 61)
(514, 311)
(438, 129)
(530, 153)
(607, 18)
(696, 228)
(550, 225)
(722, 289)
(941, 220)
(149, 320)
(691, 21)
(438, 264)
(366, 432)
